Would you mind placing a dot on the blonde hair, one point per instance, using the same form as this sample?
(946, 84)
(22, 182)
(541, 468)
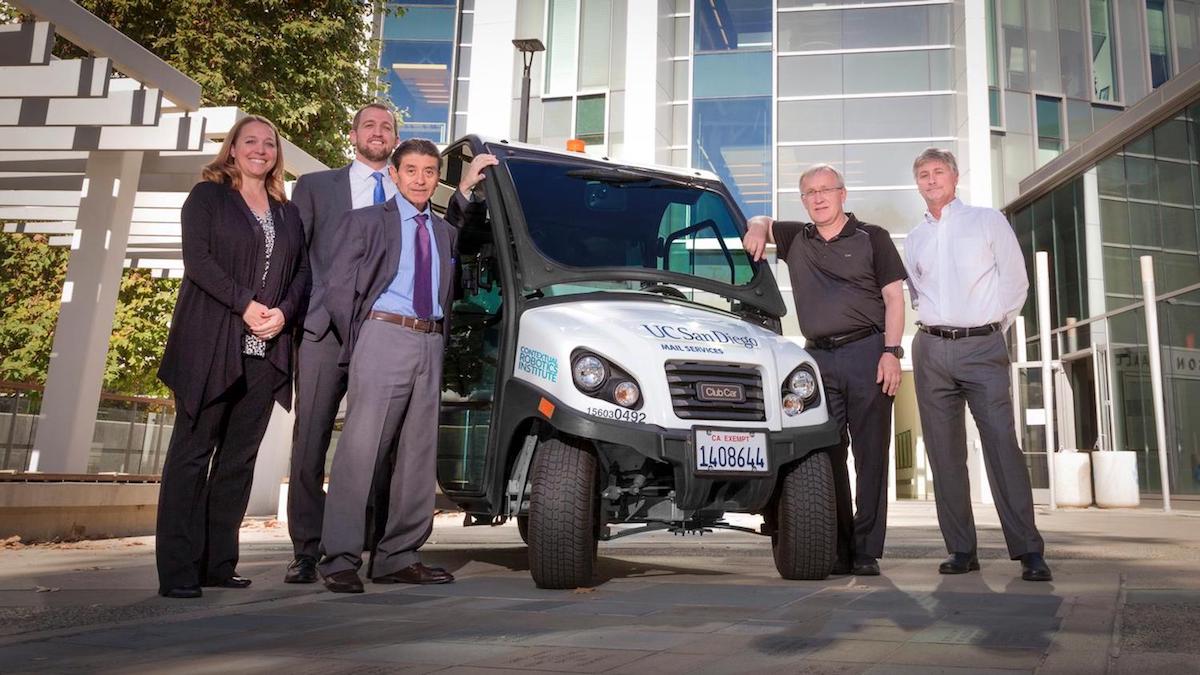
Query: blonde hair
(223, 170)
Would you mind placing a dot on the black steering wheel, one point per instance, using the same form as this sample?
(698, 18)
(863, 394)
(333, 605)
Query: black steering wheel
(669, 291)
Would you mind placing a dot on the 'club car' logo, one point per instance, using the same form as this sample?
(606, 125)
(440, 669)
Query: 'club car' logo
(720, 393)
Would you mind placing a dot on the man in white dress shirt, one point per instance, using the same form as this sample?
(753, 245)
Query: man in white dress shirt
(968, 283)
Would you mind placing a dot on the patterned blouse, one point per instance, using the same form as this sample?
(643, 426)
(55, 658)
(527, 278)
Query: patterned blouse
(251, 344)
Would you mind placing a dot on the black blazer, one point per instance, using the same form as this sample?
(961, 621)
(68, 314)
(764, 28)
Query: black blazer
(223, 266)
(366, 261)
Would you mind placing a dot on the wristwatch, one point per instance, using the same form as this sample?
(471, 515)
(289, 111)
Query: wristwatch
(896, 351)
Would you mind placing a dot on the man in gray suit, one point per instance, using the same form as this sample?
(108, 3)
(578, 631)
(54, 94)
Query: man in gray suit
(323, 198)
(388, 294)
(968, 283)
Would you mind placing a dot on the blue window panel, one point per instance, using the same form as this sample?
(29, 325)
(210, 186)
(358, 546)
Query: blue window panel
(732, 74)
(731, 138)
(418, 77)
(420, 23)
(723, 25)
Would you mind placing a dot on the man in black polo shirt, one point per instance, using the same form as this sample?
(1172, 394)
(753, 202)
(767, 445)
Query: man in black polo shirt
(846, 280)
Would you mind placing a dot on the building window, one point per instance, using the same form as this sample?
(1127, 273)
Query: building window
(1157, 31)
(993, 68)
(417, 53)
(1187, 32)
(578, 64)
(1049, 128)
(1016, 42)
(589, 119)
(1104, 63)
(731, 98)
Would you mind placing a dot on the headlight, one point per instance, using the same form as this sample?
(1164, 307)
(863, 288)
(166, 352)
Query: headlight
(792, 405)
(802, 383)
(626, 394)
(589, 372)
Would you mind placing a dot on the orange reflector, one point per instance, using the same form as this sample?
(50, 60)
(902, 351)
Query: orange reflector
(575, 145)
(546, 408)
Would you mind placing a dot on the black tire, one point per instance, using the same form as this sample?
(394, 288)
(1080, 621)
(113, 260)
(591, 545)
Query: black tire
(806, 540)
(562, 515)
(523, 528)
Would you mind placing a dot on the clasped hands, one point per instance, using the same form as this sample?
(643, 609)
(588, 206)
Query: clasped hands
(263, 323)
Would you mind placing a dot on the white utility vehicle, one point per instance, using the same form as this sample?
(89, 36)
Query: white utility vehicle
(615, 358)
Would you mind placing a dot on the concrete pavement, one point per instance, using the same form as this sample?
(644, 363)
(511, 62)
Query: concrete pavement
(1125, 599)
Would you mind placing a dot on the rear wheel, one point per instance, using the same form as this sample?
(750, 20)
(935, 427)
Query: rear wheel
(806, 539)
(563, 515)
(523, 528)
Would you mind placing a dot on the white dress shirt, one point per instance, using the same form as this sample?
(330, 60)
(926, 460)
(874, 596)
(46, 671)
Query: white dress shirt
(362, 185)
(966, 269)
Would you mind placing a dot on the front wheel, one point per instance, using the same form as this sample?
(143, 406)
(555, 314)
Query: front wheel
(806, 539)
(563, 515)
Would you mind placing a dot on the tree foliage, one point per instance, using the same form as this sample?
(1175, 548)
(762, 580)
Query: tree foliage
(303, 64)
(31, 283)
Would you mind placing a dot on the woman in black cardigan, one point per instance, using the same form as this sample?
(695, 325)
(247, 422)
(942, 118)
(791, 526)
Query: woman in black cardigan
(229, 354)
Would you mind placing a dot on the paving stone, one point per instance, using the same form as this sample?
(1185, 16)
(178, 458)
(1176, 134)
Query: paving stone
(1029, 633)
(439, 653)
(725, 595)
(618, 638)
(666, 663)
(1135, 663)
(557, 659)
(890, 669)
(853, 651)
(971, 656)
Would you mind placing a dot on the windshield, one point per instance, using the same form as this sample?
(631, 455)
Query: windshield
(609, 217)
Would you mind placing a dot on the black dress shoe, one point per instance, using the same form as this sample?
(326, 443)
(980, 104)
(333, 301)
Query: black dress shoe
(182, 592)
(232, 582)
(959, 563)
(303, 570)
(865, 566)
(416, 573)
(1034, 568)
(346, 581)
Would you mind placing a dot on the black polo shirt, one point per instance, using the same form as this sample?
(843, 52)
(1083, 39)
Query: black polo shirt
(838, 283)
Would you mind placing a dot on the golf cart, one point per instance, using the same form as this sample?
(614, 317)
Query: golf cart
(615, 365)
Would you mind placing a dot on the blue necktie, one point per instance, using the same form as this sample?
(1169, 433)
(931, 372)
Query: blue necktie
(423, 274)
(380, 195)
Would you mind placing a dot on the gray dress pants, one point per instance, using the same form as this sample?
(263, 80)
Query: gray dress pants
(393, 404)
(974, 371)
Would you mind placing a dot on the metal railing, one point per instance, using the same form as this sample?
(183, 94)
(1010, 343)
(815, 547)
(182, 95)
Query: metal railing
(130, 436)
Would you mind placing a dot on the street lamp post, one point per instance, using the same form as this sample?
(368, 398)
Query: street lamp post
(528, 47)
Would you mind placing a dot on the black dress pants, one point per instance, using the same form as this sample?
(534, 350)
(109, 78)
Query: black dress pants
(864, 414)
(206, 480)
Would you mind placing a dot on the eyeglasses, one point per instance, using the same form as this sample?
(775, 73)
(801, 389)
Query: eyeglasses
(827, 192)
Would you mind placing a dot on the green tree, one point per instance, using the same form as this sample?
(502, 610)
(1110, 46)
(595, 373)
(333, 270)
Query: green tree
(303, 64)
(31, 283)
(140, 326)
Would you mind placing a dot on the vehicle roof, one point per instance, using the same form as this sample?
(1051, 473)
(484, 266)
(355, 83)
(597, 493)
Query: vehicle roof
(672, 170)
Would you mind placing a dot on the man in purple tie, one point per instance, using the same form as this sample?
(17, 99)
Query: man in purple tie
(388, 290)
(323, 198)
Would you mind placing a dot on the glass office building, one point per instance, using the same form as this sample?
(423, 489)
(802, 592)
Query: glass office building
(757, 90)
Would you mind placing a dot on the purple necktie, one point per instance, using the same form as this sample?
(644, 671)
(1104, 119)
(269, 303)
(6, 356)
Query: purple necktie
(423, 275)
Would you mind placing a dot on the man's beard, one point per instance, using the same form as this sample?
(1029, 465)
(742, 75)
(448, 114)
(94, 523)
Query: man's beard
(371, 153)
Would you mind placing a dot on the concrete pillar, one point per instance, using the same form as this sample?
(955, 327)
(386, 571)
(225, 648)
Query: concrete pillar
(68, 417)
(492, 69)
(273, 464)
(642, 89)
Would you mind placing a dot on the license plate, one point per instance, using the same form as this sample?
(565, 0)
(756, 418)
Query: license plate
(730, 451)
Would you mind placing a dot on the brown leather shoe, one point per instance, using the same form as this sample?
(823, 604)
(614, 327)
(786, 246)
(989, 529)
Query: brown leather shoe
(346, 581)
(416, 573)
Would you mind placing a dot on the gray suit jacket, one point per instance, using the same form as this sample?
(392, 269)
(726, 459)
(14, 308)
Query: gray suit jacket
(366, 260)
(323, 198)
